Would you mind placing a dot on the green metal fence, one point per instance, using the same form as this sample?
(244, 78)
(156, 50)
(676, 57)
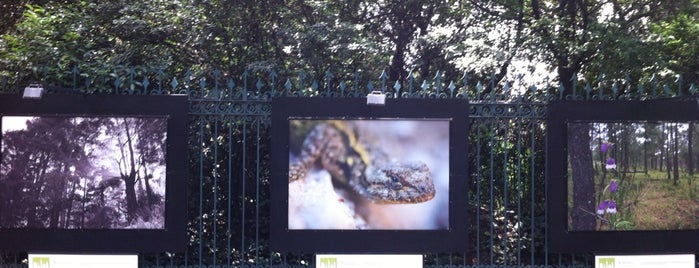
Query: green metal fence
(229, 158)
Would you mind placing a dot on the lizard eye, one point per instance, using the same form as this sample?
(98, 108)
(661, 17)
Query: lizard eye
(395, 183)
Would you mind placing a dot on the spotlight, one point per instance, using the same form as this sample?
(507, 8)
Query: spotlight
(33, 91)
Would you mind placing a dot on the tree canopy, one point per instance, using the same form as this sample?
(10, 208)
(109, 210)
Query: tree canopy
(559, 40)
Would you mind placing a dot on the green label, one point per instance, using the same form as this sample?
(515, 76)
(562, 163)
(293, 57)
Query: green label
(606, 263)
(328, 263)
(40, 262)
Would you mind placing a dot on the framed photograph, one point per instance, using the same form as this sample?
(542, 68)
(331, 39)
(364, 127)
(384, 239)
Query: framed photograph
(79, 170)
(352, 177)
(623, 176)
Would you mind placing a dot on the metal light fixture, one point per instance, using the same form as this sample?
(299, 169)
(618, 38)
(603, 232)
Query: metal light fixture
(33, 91)
(376, 98)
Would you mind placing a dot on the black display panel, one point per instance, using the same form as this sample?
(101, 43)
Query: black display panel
(622, 176)
(89, 173)
(352, 177)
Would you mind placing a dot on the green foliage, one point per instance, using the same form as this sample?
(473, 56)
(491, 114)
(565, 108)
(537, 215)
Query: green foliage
(231, 36)
(37, 45)
(680, 38)
(483, 39)
(205, 44)
(507, 172)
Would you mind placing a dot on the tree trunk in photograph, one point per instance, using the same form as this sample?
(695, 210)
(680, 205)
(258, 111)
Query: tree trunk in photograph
(625, 139)
(130, 183)
(602, 163)
(668, 134)
(601, 155)
(662, 148)
(33, 220)
(74, 183)
(54, 213)
(675, 153)
(690, 154)
(583, 213)
(645, 149)
(68, 210)
(57, 185)
(83, 205)
(130, 180)
(149, 191)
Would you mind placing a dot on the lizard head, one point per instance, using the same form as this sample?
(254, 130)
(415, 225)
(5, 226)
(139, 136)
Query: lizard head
(399, 183)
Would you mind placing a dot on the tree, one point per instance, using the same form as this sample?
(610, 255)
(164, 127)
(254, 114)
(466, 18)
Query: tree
(675, 154)
(486, 39)
(690, 153)
(139, 143)
(668, 147)
(13, 10)
(56, 173)
(400, 23)
(582, 173)
(44, 163)
(679, 35)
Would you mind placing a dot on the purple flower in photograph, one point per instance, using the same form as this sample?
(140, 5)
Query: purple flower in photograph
(613, 186)
(611, 208)
(602, 207)
(611, 163)
(605, 147)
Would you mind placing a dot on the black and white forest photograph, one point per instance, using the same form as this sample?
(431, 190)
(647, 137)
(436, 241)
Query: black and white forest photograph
(64, 172)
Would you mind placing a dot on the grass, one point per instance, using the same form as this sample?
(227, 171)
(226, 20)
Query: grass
(666, 206)
(652, 202)
(649, 201)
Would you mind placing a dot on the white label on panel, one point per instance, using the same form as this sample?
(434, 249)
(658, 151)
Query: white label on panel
(645, 261)
(368, 261)
(82, 261)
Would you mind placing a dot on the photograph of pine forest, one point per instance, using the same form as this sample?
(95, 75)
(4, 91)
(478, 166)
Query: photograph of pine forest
(59, 172)
(633, 176)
